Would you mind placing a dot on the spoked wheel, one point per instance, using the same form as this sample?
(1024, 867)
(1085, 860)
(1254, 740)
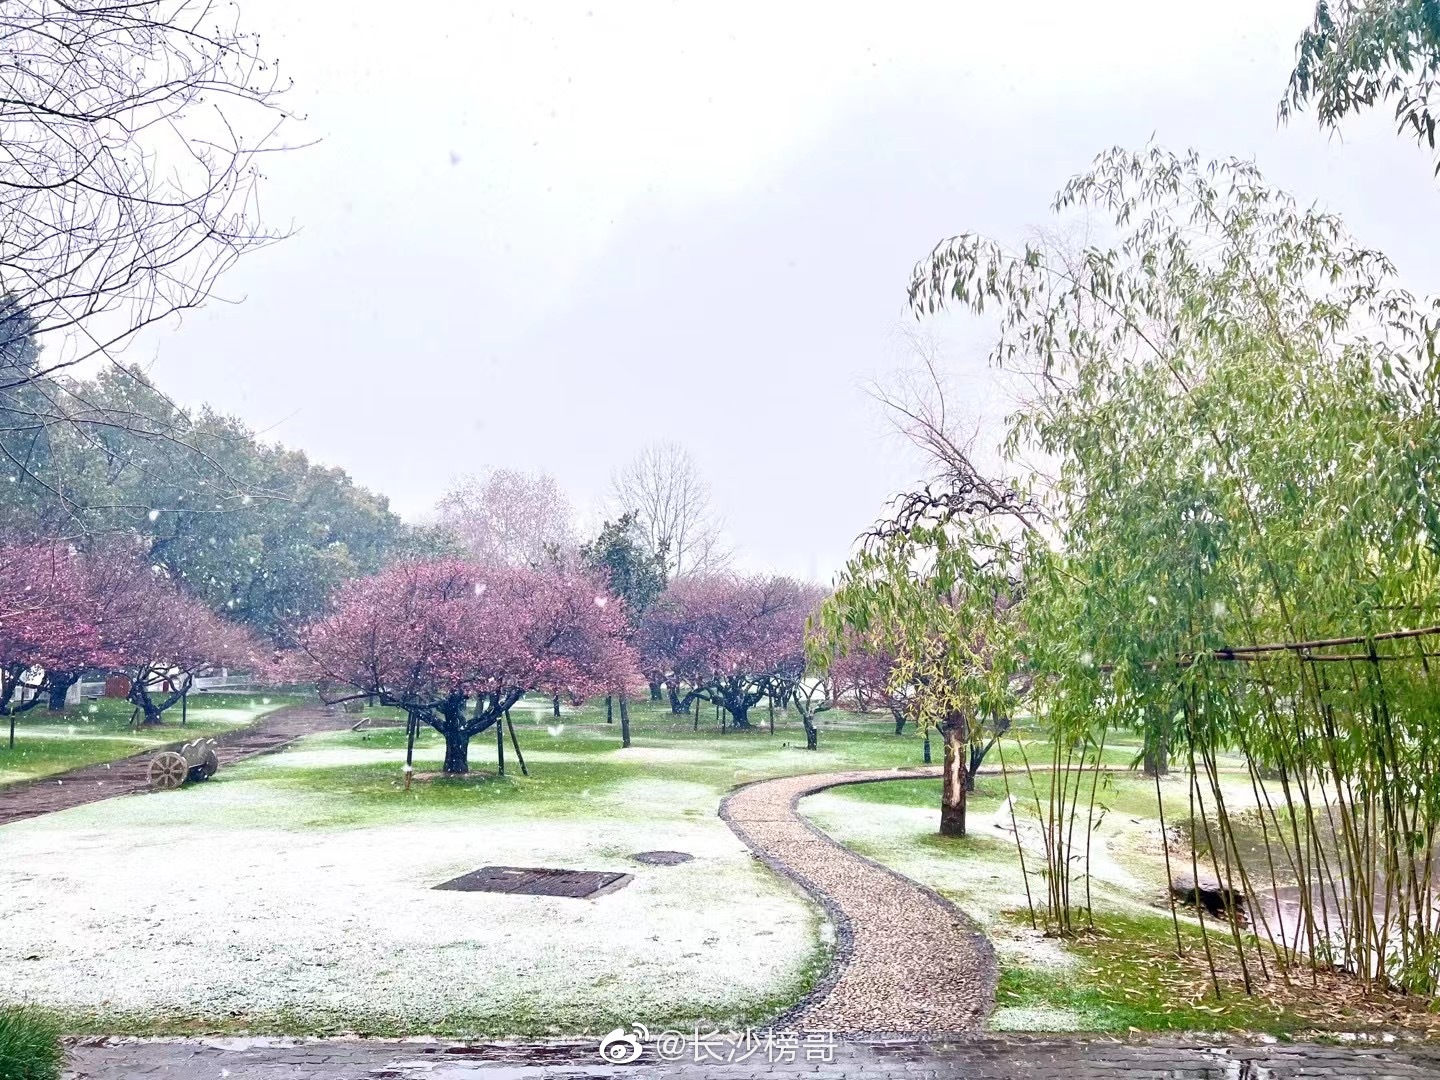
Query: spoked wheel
(167, 771)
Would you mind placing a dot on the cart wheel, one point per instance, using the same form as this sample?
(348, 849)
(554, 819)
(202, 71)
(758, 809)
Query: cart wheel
(167, 771)
(208, 766)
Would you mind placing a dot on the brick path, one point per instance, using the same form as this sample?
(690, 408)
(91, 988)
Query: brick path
(908, 960)
(972, 1058)
(30, 798)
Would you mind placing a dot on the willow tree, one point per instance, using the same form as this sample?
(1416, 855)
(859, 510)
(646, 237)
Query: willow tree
(1357, 53)
(1239, 405)
(937, 587)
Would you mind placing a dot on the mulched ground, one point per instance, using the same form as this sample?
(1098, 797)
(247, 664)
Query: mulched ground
(908, 960)
(31, 798)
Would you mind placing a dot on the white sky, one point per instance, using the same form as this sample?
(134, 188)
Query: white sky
(540, 236)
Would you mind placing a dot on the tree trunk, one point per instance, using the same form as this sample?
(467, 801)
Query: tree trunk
(899, 723)
(153, 717)
(676, 709)
(457, 752)
(9, 680)
(624, 721)
(812, 733)
(952, 794)
(927, 746)
(609, 709)
(739, 716)
(655, 689)
(555, 704)
(1157, 758)
(59, 689)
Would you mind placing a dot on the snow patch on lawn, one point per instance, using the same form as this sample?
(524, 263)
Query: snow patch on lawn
(217, 902)
(1037, 1018)
(666, 755)
(339, 757)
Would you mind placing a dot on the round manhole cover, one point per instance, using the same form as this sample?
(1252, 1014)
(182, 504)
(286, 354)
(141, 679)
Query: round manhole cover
(662, 858)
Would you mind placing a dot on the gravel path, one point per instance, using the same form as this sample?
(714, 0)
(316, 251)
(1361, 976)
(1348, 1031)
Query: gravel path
(909, 961)
(31, 798)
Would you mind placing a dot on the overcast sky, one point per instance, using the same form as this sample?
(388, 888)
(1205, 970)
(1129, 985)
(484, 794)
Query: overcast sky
(541, 236)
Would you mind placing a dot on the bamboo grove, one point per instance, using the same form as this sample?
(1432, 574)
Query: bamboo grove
(1226, 541)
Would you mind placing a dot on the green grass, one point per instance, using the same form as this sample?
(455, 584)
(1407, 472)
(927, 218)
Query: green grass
(576, 764)
(29, 1045)
(1128, 975)
(48, 743)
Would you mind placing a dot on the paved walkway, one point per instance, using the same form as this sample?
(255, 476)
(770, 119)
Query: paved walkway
(973, 1058)
(30, 798)
(909, 961)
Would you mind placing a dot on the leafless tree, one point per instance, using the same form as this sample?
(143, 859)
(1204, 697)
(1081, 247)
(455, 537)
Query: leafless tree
(918, 407)
(131, 137)
(506, 517)
(131, 134)
(671, 502)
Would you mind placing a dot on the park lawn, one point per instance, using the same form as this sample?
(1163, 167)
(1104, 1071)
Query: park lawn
(48, 743)
(305, 876)
(304, 880)
(1122, 972)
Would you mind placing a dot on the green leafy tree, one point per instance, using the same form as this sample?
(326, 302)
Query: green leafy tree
(1359, 52)
(621, 555)
(255, 530)
(1238, 545)
(635, 573)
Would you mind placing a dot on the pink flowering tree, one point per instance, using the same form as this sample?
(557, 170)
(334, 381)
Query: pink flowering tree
(163, 639)
(456, 644)
(107, 582)
(866, 675)
(735, 640)
(43, 619)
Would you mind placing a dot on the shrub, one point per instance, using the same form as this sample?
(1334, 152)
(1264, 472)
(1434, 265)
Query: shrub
(29, 1045)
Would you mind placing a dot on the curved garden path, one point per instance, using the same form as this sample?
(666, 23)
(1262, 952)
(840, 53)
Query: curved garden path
(61, 791)
(909, 961)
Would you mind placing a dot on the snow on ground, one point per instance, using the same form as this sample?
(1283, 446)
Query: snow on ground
(1036, 1018)
(316, 756)
(228, 900)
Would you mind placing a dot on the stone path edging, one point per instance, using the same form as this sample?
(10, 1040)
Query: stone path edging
(906, 972)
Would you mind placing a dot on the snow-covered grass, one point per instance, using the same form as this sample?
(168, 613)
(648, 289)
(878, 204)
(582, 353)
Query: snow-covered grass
(48, 743)
(229, 907)
(294, 892)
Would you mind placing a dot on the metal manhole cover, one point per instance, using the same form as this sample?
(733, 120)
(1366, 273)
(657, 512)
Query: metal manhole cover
(662, 858)
(537, 881)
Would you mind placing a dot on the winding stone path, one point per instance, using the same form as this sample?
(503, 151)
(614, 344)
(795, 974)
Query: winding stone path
(909, 961)
(61, 791)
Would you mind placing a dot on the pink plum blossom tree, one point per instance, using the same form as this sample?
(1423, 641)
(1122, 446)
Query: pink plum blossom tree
(455, 644)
